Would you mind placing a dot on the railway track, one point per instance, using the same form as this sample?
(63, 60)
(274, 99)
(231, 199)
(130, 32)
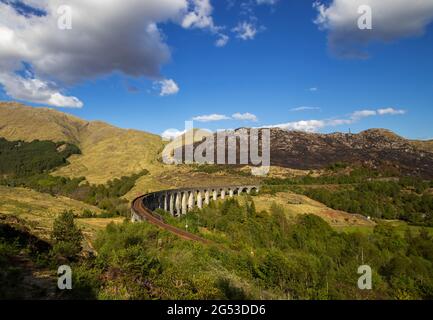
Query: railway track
(139, 209)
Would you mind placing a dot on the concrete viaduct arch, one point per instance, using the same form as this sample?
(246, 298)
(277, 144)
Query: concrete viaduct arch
(179, 201)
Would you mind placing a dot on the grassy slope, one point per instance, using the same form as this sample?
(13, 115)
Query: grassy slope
(400, 226)
(38, 210)
(295, 204)
(108, 152)
(426, 145)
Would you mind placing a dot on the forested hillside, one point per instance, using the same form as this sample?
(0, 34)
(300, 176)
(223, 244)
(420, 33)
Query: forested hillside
(20, 158)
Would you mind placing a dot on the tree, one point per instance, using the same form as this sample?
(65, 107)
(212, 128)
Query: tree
(66, 236)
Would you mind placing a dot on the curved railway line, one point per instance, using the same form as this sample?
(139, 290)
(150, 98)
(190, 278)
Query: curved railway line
(139, 209)
(179, 202)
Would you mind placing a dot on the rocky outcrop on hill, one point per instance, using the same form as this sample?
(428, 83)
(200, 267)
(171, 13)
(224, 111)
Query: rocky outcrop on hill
(377, 148)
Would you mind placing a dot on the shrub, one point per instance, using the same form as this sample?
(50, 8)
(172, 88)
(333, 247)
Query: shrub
(66, 236)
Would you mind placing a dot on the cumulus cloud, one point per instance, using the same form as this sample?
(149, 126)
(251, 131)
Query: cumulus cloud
(167, 87)
(201, 17)
(222, 40)
(211, 118)
(245, 116)
(391, 20)
(36, 90)
(316, 125)
(303, 125)
(245, 30)
(171, 134)
(363, 114)
(313, 89)
(106, 36)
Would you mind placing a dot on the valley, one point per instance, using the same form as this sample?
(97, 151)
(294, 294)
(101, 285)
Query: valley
(298, 238)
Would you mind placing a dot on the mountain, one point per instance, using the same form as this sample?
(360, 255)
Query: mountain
(107, 152)
(377, 148)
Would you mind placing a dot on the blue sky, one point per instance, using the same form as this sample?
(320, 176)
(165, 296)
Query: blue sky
(288, 70)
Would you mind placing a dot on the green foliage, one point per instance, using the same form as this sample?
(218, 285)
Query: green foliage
(254, 255)
(307, 259)
(403, 200)
(66, 236)
(19, 158)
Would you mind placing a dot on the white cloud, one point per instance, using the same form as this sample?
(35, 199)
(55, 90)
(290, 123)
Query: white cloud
(245, 30)
(363, 114)
(201, 17)
(391, 111)
(218, 117)
(245, 116)
(303, 125)
(167, 87)
(36, 90)
(304, 109)
(222, 40)
(391, 19)
(211, 117)
(313, 89)
(316, 125)
(171, 134)
(106, 36)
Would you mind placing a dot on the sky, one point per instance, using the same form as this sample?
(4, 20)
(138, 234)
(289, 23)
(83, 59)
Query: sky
(154, 64)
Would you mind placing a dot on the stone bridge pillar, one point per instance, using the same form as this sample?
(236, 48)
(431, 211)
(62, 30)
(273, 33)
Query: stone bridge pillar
(206, 197)
(171, 205)
(199, 200)
(231, 193)
(215, 195)
(223, 194)
(191, 201)
(240, 191)
(165, 201)
(184, 202)
(178, 203)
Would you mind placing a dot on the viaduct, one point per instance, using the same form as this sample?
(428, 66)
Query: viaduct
(179, 201)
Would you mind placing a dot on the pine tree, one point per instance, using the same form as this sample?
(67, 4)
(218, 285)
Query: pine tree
(66, 235)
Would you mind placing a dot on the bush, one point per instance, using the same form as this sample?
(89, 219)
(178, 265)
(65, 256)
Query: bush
(66, 236)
